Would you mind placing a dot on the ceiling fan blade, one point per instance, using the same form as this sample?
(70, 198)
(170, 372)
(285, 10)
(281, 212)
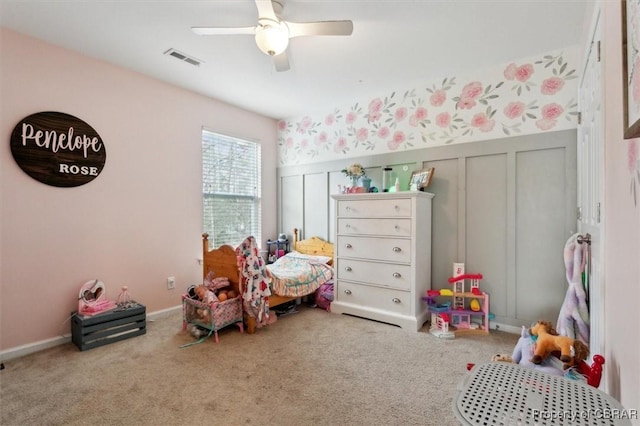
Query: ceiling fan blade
(265, 10)
(298, 29)
(281, 62)
(223, 31)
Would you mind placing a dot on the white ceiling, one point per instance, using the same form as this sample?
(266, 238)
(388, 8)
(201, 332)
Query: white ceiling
(395, 45)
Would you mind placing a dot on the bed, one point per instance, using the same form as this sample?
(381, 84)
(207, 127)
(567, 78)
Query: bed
(224, 262)
(302, 271)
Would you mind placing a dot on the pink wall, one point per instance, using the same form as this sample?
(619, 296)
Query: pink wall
(139, 221)
(622, 231)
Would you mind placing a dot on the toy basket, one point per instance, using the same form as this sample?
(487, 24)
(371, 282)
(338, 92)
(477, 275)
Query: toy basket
(212, 317)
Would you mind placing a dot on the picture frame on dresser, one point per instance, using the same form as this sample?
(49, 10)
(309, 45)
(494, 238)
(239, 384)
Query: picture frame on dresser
(420, 179)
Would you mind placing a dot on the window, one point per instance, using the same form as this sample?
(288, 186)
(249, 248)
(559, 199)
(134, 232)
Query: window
(231, 203)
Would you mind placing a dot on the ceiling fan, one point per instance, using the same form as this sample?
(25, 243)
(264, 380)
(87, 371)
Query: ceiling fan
(273, 33)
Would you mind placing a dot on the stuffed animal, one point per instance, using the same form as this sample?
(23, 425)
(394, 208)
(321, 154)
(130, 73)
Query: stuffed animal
(524, 351)
(205, 295)
(571, 351)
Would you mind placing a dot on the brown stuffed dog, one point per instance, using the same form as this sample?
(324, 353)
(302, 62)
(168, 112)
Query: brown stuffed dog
(571, 351)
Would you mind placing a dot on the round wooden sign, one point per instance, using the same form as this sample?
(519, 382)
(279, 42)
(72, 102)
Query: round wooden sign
(58, 149)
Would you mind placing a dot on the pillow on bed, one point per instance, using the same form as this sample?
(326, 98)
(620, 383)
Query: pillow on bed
(310, 257)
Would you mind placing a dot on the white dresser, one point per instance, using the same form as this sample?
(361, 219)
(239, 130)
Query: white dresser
(383, 256)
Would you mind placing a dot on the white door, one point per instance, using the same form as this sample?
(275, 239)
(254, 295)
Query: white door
(591, 180)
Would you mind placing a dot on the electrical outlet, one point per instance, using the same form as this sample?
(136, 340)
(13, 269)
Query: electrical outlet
(171, 283)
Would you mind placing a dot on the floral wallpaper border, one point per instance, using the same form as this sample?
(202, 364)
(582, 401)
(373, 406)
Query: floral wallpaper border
(526, 96)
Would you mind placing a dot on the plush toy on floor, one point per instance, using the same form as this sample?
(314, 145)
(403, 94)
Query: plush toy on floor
(524, 351)
(571, 351)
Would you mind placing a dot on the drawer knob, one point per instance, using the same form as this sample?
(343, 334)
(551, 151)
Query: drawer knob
(396, 207)
(396, 275)
(397, 227)
(395, 300)
(348, 225)
(348, 269)
(348, 208)
(397, 249)
(347, 291)
(348, 245)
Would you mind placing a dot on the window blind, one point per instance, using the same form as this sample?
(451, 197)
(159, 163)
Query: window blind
(231, 170)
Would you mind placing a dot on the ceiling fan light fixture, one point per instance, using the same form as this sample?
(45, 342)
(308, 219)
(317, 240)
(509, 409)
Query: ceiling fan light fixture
(272, 37)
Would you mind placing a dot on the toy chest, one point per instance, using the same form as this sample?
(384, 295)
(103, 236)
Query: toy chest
(213, 316)
(89, 332)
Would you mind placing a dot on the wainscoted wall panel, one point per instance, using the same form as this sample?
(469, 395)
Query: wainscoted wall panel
(291, 203)
(504, 207)
(316, 218)
(487, 225)
(541, 194)
(445, 221)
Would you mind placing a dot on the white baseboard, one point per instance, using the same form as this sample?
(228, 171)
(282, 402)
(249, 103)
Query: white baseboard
(29, 348)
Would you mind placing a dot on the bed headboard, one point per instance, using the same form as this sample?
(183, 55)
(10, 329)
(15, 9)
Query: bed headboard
(313, 245)
(222, 261)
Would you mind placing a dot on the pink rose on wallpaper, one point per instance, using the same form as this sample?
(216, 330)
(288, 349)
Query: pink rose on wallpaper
(510, 72)
(304, 143)
(524, 72)
(471, 90)
(635, 82)
(340, 144)
(438, 97)
(514, 109)
(374, 116)
(466, 103)
(329, 120)
(401, 114)
(399, 137)
(552, 111)
(351, 117)
(443, 119)
(375, 110)
(632, 154)
(420, 113)
(482, 122)
(383, 133)
(322, 138)
(304, 125)
(288, 143)
(282, 125)
(551, 85)
(392, 145)
(362, 134)
(546, 123)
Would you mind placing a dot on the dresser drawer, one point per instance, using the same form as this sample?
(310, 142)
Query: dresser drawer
(375, 208)
(391, 227)
(384, 274)
(387, 249)
(385, 299)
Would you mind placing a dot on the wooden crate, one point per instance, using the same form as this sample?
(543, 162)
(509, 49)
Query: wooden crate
(88, 332)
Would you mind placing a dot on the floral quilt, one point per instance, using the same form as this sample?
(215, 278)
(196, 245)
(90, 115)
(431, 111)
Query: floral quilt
(297, 276)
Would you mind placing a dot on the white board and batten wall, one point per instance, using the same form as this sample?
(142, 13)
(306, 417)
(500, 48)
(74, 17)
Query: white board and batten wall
(503, 207)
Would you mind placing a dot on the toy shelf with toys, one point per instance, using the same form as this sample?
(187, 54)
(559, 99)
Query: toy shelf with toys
(466, 312)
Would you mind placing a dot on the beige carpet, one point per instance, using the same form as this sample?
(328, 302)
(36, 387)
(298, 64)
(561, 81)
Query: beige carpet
(309, 368)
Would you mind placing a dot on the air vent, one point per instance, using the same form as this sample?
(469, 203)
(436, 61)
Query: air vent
(183, 57)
